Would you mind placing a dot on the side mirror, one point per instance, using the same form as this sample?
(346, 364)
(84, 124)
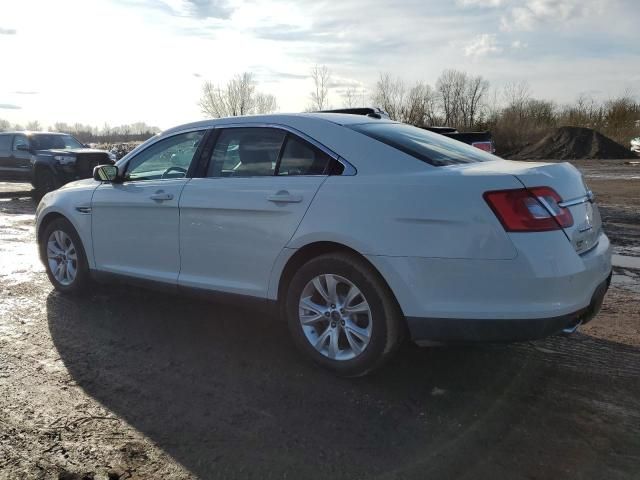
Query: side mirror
(105, 173)
(22, 147)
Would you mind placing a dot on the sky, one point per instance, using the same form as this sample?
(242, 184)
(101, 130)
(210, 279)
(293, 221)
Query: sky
(123, 61)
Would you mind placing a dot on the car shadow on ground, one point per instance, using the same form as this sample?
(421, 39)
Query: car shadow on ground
(222, 390)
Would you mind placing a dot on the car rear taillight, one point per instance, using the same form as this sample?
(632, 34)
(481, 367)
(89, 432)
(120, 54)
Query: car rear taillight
(529, 210)
(486, 146)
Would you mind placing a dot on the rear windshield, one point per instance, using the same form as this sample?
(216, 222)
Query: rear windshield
(430, 147)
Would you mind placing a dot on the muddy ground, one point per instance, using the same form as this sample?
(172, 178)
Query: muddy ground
(135, 384)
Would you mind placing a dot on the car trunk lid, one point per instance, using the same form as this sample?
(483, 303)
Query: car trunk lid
(568, 183)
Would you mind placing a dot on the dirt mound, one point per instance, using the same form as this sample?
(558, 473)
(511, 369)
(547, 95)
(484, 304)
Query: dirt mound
(573, 143)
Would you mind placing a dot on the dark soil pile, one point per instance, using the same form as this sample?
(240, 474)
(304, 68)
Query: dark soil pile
(574, 143)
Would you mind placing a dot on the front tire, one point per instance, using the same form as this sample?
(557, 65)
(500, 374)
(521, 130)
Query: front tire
(342, 314)
(45, 182)
(64, 257)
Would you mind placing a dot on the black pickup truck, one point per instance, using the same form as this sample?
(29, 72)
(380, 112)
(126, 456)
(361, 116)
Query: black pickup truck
(47, 160)
(481, 140)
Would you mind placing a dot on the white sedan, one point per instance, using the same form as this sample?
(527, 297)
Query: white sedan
(359, 230)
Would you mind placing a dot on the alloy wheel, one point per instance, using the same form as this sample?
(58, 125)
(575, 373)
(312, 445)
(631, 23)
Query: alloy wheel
(335, 317)
(62, 257)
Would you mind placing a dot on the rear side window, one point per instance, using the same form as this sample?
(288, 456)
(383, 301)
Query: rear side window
(246, 152)
(300, 158)
(430, 147)
(5, 142)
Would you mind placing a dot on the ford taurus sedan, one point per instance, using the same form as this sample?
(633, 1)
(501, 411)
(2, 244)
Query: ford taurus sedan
(359, 230)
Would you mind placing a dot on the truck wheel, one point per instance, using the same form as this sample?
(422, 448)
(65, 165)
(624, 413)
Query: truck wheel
(45, 183)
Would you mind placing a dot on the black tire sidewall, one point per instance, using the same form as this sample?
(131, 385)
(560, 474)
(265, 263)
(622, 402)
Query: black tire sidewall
(44, 179)
(358, 274)
(82, 279)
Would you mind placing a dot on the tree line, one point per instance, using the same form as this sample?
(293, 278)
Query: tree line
(134, 132)
(457, 99)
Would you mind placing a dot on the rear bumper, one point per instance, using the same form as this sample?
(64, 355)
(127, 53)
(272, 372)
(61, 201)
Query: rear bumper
(466, 330)
(545, 289)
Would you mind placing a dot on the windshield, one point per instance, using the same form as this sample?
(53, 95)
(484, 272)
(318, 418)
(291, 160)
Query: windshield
(48, 142)
(430, 147)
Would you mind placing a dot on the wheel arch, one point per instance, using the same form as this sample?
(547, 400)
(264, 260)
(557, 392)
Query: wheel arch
(54, 215)
(41, 165)
(42, 226)
(313, 250)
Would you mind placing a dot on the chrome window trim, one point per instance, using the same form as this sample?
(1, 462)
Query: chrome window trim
(349, 170)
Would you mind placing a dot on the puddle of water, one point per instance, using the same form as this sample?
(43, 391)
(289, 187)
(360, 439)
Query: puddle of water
(627, 282)
(18, 249)
(625, 261)
(611, 176)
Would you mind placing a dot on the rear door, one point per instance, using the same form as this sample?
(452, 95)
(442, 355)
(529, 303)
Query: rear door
(567, 181)
(6, 170)
(237, 218)
(135, 224)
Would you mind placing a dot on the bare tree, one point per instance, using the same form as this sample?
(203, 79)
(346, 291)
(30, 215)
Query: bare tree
(4, 125)
(516, 95)
(238, 97)
(354, 97)
(420, 106)
(321, 77)
(472, 101)
(389, 94)
(265, 103)
(34, 126)
(451, 86)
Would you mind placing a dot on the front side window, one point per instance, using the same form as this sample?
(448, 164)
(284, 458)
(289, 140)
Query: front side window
(300, 158)
(168, 158)
(430, 147)
(246, 152)
(20, 140)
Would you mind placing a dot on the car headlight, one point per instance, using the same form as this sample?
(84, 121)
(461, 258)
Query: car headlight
(64, 159)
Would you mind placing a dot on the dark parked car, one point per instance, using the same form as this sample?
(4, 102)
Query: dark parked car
(47, 160)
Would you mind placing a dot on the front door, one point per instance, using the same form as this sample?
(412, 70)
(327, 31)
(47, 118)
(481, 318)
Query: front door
(237, 219)
(135, 224)
(21, 157)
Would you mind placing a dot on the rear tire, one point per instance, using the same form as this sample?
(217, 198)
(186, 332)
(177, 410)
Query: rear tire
(45, 182)
(342, 314)
(64, 257)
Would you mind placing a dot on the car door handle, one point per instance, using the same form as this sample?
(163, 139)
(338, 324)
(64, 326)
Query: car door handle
(161, 196)
(284, 197)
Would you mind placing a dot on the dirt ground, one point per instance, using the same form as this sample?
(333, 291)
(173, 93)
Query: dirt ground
(134, 384)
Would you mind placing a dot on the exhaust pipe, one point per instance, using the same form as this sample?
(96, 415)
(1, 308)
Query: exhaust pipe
(572, 329)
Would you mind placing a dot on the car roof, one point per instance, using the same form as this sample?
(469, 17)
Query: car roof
(285, 118)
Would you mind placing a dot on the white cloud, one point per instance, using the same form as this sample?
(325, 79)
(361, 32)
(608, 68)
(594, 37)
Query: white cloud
(531, 14)
(480, 3)
(518, 45)
(482, 45)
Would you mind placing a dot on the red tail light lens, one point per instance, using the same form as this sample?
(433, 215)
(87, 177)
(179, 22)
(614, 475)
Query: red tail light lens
(529, 210)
